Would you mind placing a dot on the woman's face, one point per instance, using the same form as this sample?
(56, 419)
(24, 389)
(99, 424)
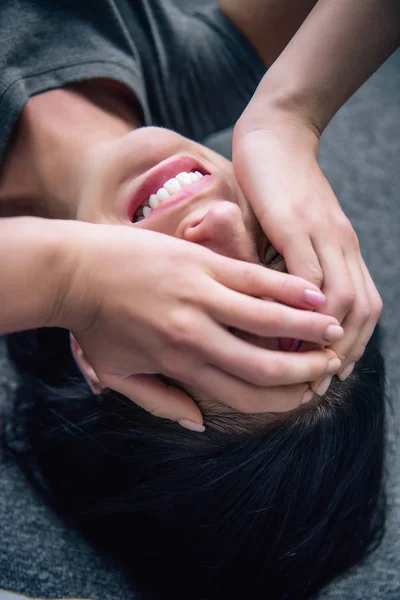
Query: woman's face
(153, 178)
(157, 166)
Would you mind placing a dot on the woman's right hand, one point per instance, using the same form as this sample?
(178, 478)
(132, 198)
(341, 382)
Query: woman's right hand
(141, 303)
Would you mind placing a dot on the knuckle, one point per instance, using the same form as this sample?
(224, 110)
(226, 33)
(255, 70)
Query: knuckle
(352, 236)
(364, 314)
(357, 353)
(347, 230)
(346, 298)
(182, 328)
(315, 274)
(286, 286)
(171, 364)
(273, 370)
(269, 316)
(377, 308)
(249, 276)
(157, 410)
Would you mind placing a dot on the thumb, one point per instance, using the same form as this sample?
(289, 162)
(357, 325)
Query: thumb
(160, 399)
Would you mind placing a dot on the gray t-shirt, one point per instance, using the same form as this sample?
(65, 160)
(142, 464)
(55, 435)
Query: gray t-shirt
(193, 73)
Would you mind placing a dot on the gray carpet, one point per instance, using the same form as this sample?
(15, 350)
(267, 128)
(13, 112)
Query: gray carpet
(360, 156)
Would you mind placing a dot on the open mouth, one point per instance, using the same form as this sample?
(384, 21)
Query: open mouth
(172, 181)
(166, 193)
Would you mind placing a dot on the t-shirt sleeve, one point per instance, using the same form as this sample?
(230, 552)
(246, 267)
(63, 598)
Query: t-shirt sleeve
(191, 72)
(46, 44)
(200, 71)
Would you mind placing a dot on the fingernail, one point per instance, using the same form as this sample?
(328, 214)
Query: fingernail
(314, 298)
(192, 425)
(333, 333)
(346, 371)
(307, 396)
(323, 386)
(333, 366)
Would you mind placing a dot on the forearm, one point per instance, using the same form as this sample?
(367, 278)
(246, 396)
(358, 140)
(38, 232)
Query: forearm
(40, 173)
(340, 44)
(35, 270)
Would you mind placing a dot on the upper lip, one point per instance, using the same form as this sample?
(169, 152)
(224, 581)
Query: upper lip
(156, 178)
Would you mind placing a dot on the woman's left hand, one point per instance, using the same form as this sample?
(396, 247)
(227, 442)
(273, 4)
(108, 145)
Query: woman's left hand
(277, 169)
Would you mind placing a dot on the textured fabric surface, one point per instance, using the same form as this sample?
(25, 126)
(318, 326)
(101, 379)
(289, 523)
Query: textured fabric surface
(167, 57)
(360, 155)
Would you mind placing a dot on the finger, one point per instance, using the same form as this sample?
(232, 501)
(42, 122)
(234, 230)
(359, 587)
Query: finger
(257, 280)
(269, 319)
(248, 361)
(158, 397)
(245, 397)
(368, 315)
(302, 260)
(358, 315)
(338, 283)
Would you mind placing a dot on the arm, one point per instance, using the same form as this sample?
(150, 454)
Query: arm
(34, 272)
(339, 45)
(118, 328)
(267, 24)
(323, 60)
(333, 52)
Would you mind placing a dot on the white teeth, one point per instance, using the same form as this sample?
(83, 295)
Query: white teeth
(146, 211)
(154, 202)
(169, 188)
(172, 186)
(184, 179)
(162, 194)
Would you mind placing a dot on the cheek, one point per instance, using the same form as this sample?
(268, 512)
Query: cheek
(143, 148)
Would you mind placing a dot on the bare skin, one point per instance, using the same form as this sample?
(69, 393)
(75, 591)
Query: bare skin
(75, 181)
(292, 98)
(320, 55)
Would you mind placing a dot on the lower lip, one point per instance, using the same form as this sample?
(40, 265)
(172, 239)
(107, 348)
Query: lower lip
(186, 193)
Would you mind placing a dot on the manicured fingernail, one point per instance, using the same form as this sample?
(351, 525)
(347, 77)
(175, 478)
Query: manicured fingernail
(314, 298)
(192, 425)
(307, 396)
(346, 372)
(333, 333)
(323, 386)
(333, 366)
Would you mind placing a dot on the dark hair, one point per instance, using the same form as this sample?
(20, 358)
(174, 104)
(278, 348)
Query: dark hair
(267, 513)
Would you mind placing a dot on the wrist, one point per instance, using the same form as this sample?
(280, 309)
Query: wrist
(72, 302)
(59, 250)
(36, 272)
(282, 104)
(277, 128)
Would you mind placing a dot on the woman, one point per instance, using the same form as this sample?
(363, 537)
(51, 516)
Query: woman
(141, 46)
(273, 502)
(259, 505)
(100, 158)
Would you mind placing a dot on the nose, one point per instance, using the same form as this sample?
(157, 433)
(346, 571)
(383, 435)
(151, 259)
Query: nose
(222, 229)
